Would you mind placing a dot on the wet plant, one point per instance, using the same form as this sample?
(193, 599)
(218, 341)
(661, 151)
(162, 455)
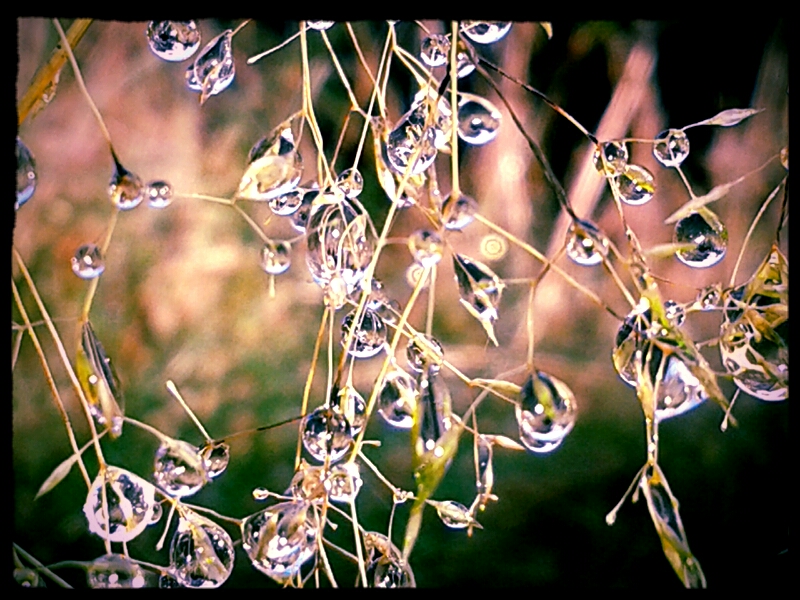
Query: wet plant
(348, 251)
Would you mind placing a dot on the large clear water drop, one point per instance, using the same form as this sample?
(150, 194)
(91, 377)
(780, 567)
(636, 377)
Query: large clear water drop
(201, 553)
(274, 168)
(88, 262)
(115, 572)
(458, 211)
(478, 119)
(485, 32)
(385, 565)
(173, 40)
(326, 433)
(126, 189)
(159, 193)
(586, 244)
(546, 411)
(214, 68)
(131, 502)
(671, 147)
(276, 257)
(179, 469)
(480, 289)
(398, 399)
(434, 50)
(707, 233)
(636, 185)
(369, 337)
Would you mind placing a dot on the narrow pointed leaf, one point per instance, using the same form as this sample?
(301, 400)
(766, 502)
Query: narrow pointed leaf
(504, 388)
(695, 204)
(57, 476)
(730, 117)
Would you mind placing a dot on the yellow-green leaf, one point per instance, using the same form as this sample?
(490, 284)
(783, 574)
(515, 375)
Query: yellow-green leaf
(503, 388)
(729, 117)
(695, 204)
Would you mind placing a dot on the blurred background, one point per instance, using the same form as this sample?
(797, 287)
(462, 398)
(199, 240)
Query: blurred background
(183, 296)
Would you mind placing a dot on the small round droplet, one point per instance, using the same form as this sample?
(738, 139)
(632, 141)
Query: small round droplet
(423, 353)
(458, 212)
(466, 59)
(158, 512)
(586, 244)
(370, 335)
(434, 50)
(26, 174)
(115, 571)
(343, 483)
(88, 262)
(300, 216)
(201, 553)
(353, 406)
(493, 246)
(320, 25)
(611, 158)
(478, 120)
(326, 432)
(674, 312)
(707, 232)
(179, 468)
(350, 182)
(126, 189)
(709, 297)
(426, 247)
(260, 494)
(671, 147)
(398, 399)
(216, 456)
(636, 185)
(159, 194)
(173, 40)
(276, 257)
(131, 502)
(485, 32)
(546, 411)
(288, 203)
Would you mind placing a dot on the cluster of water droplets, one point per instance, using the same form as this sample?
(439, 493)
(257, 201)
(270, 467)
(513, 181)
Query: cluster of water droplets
(635, 185)
(182, 469)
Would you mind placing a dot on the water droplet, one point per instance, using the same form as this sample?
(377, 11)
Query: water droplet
(214, 68)
(433, 411)
(131, 502)
(99, 381)
(191, 79)
(276, 257)
(288, 203)
(115, 571)
(260, 494)
(385, 565)
(370, 335)
(785, 157)
(442, 121)
(708, 233)
(424, 352)
(458, 211)
(412, 143)
(159, 194)
(88, 262)
(434, 50)
(709, 297)
(484, 471)
(466, 59)
(353, 406)
(546, 411)
(611, 158)
(674, 312)
(168, 582)
(478, 120)
(216, 456)
(485, 32)
(326, 432)
(158, 512)
(586, 244)
(671, 147)
(480, 289)
(201, 553)
(679, 390)
(754, 335)
(179, 468)
(280, 539)
(398, 399)
(300, 216)
(343, 483)
(335, 293)
(126, 189)
(636, 185)
(454, 514)
(274, 167)
(340, 242)
(426, 247)
(320, 25)
(26, 174)
(173, 40)
(350, 182)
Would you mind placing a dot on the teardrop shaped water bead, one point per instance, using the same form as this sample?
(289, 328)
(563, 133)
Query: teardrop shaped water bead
(424, 352)
(214, 68)
(99, 382)
(320, 25)
(302, 214)
(433, 415)
(398, 399)
(411, 145)
(385, 565)
(426, 247)
(339, 242)
(191, 79)
(274, 167)
(434, 50)
(546, 411)
(326, 432)
(276, 257)
(201, 554)
(131, 502)
(126, 189)
(675, 313)
(586, 244)
(458, 211)
(88, 262)
(480, 289)
(287, 203)
(679, 390)
(344, 482)
(671, 147)
(709, 297)
(159, 194)
(754, 335)
(707, 233)
(173, 40)
(636, 185)
(280, 539)
(216, 456)
(466, 59)
(350, 182)
(478, 120)
(370, 335)
(454, 514)
(353, 406)
(610, 158)
(484, 471)
(115, 572)
(26, 174)
(485, 32)
(179, 469)
(442, 119)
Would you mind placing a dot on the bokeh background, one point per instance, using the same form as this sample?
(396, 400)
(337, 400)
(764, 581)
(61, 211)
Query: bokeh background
(183, 297)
